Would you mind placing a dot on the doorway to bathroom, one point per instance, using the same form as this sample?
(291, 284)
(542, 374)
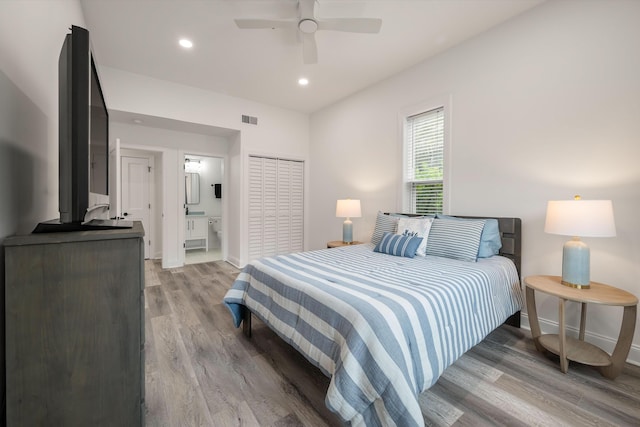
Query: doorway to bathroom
(204, 224)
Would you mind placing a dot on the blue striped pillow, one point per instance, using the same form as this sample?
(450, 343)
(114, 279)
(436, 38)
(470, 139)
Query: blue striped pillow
(398, 245)
(384, 223)
(490, 239)
(451, 238)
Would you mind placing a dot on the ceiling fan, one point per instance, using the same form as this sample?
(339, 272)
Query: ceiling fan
(307, 25)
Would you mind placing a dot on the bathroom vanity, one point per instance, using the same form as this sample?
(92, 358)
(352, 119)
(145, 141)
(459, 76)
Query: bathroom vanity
(196, 235)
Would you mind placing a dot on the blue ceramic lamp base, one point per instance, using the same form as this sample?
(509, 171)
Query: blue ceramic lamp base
(347, 231)
(575, 264)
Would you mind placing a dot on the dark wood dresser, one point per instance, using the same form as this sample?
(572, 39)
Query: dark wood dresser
(74, 307)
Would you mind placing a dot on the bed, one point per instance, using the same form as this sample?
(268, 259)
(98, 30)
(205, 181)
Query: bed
(384, 327)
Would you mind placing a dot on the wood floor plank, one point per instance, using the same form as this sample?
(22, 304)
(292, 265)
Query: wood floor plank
(200, 370)
(183, 397)
(217, 381)
(300, 373)
(241, 416)
(518, 407)
(155, 403)
(156, 301)
(156, 412)
(436, 411)
(589, 387)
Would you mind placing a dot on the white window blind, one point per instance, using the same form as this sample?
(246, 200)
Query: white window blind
(424, 168)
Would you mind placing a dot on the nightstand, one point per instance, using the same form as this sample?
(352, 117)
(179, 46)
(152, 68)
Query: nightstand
(578, 350)
(339, 243)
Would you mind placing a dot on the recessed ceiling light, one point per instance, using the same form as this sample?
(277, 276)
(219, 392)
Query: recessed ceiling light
(303, 81)
(137, 121)
(186, 43)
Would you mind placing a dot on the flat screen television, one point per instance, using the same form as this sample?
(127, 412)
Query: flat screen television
(83, 141)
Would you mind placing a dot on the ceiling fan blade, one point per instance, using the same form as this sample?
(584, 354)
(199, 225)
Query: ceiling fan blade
(251, 24)
(309, 49)
(351, 25)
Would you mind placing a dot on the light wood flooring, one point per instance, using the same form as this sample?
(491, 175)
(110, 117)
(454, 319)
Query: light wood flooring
(201, 371)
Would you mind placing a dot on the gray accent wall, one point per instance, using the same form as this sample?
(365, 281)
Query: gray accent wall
(31, 35)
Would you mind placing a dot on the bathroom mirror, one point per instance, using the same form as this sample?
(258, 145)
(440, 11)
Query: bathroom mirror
(192, 188)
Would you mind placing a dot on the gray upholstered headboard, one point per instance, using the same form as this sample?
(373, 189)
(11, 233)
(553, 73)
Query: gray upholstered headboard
(511, 235)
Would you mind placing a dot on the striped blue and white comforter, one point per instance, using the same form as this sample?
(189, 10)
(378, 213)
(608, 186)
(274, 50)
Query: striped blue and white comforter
(383, 328)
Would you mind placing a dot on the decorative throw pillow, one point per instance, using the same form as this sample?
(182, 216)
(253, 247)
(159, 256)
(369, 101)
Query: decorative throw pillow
(418, 227)
(455, 239)
(384, 223)
(398, 245)
(490, 240)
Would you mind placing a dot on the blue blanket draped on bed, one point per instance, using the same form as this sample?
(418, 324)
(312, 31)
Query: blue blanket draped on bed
(383, 328)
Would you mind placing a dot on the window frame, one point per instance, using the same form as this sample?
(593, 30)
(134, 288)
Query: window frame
(406, 203)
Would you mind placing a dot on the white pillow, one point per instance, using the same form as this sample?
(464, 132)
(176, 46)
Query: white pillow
(416, 227)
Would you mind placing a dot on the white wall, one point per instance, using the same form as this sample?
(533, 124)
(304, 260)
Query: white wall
(31, 36)
(169, 146)
(279, 132)
(235, 183)
(543, 107)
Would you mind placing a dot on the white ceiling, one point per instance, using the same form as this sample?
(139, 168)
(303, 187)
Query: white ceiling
(141, 36)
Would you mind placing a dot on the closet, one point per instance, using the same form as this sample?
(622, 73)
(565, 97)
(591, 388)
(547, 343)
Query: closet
(276, 206)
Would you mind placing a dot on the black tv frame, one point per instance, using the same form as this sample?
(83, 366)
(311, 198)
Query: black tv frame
(74, 74)
(77, 75)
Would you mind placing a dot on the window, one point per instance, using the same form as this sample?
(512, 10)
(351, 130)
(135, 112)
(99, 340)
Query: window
(424, 161)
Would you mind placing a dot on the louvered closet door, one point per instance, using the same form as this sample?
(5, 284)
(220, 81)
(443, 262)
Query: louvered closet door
(255, 208)
(276, 200)
(297, 207)
(284, 206)
(270, 207)
(290, 206)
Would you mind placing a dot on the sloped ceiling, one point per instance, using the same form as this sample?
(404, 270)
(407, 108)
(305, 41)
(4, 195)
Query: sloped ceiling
(141, 36)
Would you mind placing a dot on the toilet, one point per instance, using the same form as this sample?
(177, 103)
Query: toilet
(216, 226)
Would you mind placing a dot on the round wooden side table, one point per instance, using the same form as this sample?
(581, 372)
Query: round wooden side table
(578, 350)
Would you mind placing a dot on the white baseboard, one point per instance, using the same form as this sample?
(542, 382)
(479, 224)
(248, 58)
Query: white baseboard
(171, 263)
(233, 261)
(605, 343)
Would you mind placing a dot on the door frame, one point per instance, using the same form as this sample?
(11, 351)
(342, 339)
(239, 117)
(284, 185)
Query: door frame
(181, 198)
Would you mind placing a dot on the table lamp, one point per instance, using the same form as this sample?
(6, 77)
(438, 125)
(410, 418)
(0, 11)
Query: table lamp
(579, 218)
(348, 208)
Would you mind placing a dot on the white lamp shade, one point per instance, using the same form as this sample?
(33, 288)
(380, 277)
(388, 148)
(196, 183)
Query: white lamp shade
(580, 218)
(348, 208)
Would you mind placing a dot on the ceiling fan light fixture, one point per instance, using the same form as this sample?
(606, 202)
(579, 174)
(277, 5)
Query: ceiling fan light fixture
(308, 26)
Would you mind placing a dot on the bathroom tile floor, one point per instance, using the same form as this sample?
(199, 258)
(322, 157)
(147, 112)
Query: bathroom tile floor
(197, 256)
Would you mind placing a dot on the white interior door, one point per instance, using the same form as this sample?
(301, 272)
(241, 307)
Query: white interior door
(135, 193)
